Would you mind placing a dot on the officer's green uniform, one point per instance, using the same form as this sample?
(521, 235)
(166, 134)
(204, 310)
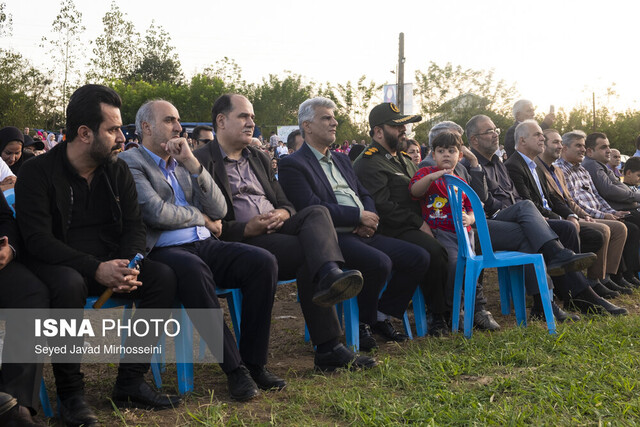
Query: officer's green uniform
(387, 178)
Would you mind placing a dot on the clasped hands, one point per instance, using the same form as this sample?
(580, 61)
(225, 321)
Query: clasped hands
(266, 223)
(368, 224)
(115, 274)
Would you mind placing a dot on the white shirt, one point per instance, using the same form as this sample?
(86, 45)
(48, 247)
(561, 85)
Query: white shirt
(4, 170)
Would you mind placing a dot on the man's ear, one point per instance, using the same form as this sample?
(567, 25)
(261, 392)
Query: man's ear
(85, 134)
(220, 121)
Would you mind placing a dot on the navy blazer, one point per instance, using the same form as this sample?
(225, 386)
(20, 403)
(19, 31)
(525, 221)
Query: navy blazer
(305, 184)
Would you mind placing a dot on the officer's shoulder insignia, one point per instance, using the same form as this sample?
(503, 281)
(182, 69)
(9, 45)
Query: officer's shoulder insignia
(405, 154)
(370, 152)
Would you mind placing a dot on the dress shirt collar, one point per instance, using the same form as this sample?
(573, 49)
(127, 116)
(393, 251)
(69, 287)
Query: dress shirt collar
(319, 155)
(245, 154)
(532, 165)
(169, 166)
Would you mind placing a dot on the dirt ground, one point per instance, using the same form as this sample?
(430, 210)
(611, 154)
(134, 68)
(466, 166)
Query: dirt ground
(289, 357)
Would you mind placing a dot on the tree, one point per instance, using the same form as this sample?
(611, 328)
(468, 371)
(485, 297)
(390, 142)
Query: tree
(116, 51)
(230, 73)
(276, 101)
(354, 101)
(66, 44)
(158, 61)
(6, 21)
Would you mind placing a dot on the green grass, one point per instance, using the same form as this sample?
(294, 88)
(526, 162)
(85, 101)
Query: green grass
(587, 374)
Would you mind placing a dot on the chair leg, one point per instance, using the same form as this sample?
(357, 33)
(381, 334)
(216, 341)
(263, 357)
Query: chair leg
(545, 295)
(504, 284)
(234, 300)
(44, 400)
(407, 325)
(419, 312)
(516, 275)
(352, 323)
(184, 353)
(470, 279)
(457, 295)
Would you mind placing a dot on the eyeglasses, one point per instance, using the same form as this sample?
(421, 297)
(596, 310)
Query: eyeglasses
(204, 141)
(490, 132)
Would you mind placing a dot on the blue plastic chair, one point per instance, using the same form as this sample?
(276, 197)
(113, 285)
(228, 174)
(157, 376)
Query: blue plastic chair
(510, 265)
(10, 195)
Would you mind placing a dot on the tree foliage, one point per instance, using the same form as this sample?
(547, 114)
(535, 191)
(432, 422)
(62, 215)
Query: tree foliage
(158, 60)
(66, 47)
(116, 52)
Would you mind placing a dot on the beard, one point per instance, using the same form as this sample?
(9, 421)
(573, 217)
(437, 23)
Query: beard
(101, 153)
(391, 140)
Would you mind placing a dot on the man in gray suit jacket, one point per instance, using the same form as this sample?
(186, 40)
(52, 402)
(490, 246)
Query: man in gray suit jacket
(182, 206)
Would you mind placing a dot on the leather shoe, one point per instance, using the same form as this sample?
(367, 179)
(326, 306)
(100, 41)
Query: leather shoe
(336, 286)
(566, 260)
(142, 395)
(560, 315)
(241, 386)
(388, 331)
(483, 320)
(610, 284)
(75, 411)
(14, 415)
(341, 357)
(588, 302)
(633, 279)
(266, 380)
(602, 290)
(367, 341)
(437, 325)
(621, 281)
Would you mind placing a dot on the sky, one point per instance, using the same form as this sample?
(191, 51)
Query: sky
(555, 52)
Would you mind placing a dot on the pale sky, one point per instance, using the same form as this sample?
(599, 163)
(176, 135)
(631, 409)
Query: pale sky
(556, 52)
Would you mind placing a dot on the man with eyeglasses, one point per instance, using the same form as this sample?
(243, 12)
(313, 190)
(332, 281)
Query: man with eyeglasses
(515, 224)
(202, 135)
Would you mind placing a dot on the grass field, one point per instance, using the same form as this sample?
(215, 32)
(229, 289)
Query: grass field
(587, 374)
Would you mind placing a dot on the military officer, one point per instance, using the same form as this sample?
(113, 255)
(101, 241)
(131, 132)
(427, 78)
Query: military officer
(385, 172)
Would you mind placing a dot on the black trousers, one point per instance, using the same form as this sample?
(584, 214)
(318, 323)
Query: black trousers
(202, 265)
(21, 289)
(434, 282)
(69, 289)
(376, 257)
(630, 254)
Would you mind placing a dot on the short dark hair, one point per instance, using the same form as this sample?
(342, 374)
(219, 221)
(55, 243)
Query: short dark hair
(638, 143)
(632, 164)
(291, 139)
(195, 133)
(221, 106)
(446, 140)
(411, 142)
(590, 141)
(84, 108)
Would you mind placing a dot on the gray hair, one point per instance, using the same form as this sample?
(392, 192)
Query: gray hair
(522, 130)
(472, 125)
(307, 110)
(519, 106)
(145, 114)
(569, 137)
(442, 127)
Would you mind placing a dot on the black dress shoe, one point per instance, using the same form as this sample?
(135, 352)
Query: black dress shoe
(589, 303)
(265, 379)
(142, 395)
(367, 341)
(610, 284)
(566, 260)
(483, 320)
(386, 329)
(75, 411)
(437, 325)
(14, 415)
(602, 290)
(241, 386)
(336, 286)
(559, 314)
(633, 279)
(621, 281)
(342, 357)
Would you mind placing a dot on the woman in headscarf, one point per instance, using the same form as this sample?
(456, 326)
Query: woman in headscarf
(11, 148)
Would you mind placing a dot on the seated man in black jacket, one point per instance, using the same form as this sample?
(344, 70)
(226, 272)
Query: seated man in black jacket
(78, 213)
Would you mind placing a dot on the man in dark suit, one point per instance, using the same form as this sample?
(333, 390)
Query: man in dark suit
(181, 207)
(259, 214)
(314, 175)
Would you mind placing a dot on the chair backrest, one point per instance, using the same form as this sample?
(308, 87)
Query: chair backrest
(455, 189)
(10, 195)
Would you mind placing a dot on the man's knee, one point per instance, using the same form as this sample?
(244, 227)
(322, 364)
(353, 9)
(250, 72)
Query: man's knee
(67, 287)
